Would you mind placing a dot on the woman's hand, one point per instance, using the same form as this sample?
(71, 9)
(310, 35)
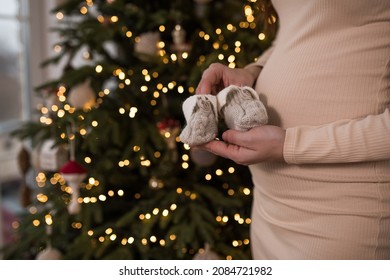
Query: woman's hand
(218, 76)
(261, 143)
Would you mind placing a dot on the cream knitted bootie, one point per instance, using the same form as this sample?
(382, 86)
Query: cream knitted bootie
(200, 112)
(241, 108)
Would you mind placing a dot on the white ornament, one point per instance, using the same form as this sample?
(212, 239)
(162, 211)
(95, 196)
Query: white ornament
(148, 43)
(82, 96)
(206, 254)
(179, 35)
(48, 157)
(49, 253)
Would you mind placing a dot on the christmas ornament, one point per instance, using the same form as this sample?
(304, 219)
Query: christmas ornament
(179, 42)
(206, 254)
(169, 129)
(156, 183)
(24, 166)
(49, 253)
(179, 35)
(48, 156)
(202, 158)
(82, 96)
(147, 45)
(74, 173)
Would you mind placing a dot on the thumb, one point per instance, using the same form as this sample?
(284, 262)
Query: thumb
(235, 137)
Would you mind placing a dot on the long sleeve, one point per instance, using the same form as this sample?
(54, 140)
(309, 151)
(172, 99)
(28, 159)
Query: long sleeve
(366, 139)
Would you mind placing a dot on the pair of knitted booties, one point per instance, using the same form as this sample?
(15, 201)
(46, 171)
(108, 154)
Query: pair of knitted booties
(239, 107)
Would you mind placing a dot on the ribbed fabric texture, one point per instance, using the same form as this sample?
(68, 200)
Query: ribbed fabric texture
(326, 80)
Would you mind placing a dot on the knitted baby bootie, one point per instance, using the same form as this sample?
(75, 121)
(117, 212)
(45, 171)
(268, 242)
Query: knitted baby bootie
(200, 112)
(241, 108)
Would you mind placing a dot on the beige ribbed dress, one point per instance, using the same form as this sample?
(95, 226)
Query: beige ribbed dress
(326, 80)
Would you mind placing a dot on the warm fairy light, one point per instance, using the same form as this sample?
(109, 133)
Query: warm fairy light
(173, 207)
(98, 68)
(208, 177)
(48, 219)
(231, 170)
(57, 48)
(83, 10)
(185, 157)
(161, 28)
(36, 223)
(146, 163)
(111, 193)
(231, 192)
(155, 211)
(124, 241)
(144, 88)
(230, 27)
(157, 154)
(179, 190)
(101, 239)
(102, 197)
(261, 36)
(42, 198)
(33, 210)
(90, 232)
(61, 113)
(172, 237)
(100, 18)
(114, 19)
(129, 34)
(185, 165)
(246, 191)
(113, 237)
(59, 16)
(136, 148)
(248, 221)
(130, 240)
(122, 76)
(184, 55)
(94, 123)
(219, 172)
(153, 239)
(193, 196)
(162, 242)
(148, 216)
(133, 111)
(165, 212)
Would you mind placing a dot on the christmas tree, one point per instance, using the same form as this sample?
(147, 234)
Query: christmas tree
(113, 180)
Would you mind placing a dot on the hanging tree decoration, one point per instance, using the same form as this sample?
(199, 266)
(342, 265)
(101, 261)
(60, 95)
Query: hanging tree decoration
(49, 253)
(82, 96)
(206, 254)
(74, 174)
(170, 129)
(24, 166)
(180, 44)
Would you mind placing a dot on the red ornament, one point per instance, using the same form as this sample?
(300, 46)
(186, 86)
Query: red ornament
(74, 173)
